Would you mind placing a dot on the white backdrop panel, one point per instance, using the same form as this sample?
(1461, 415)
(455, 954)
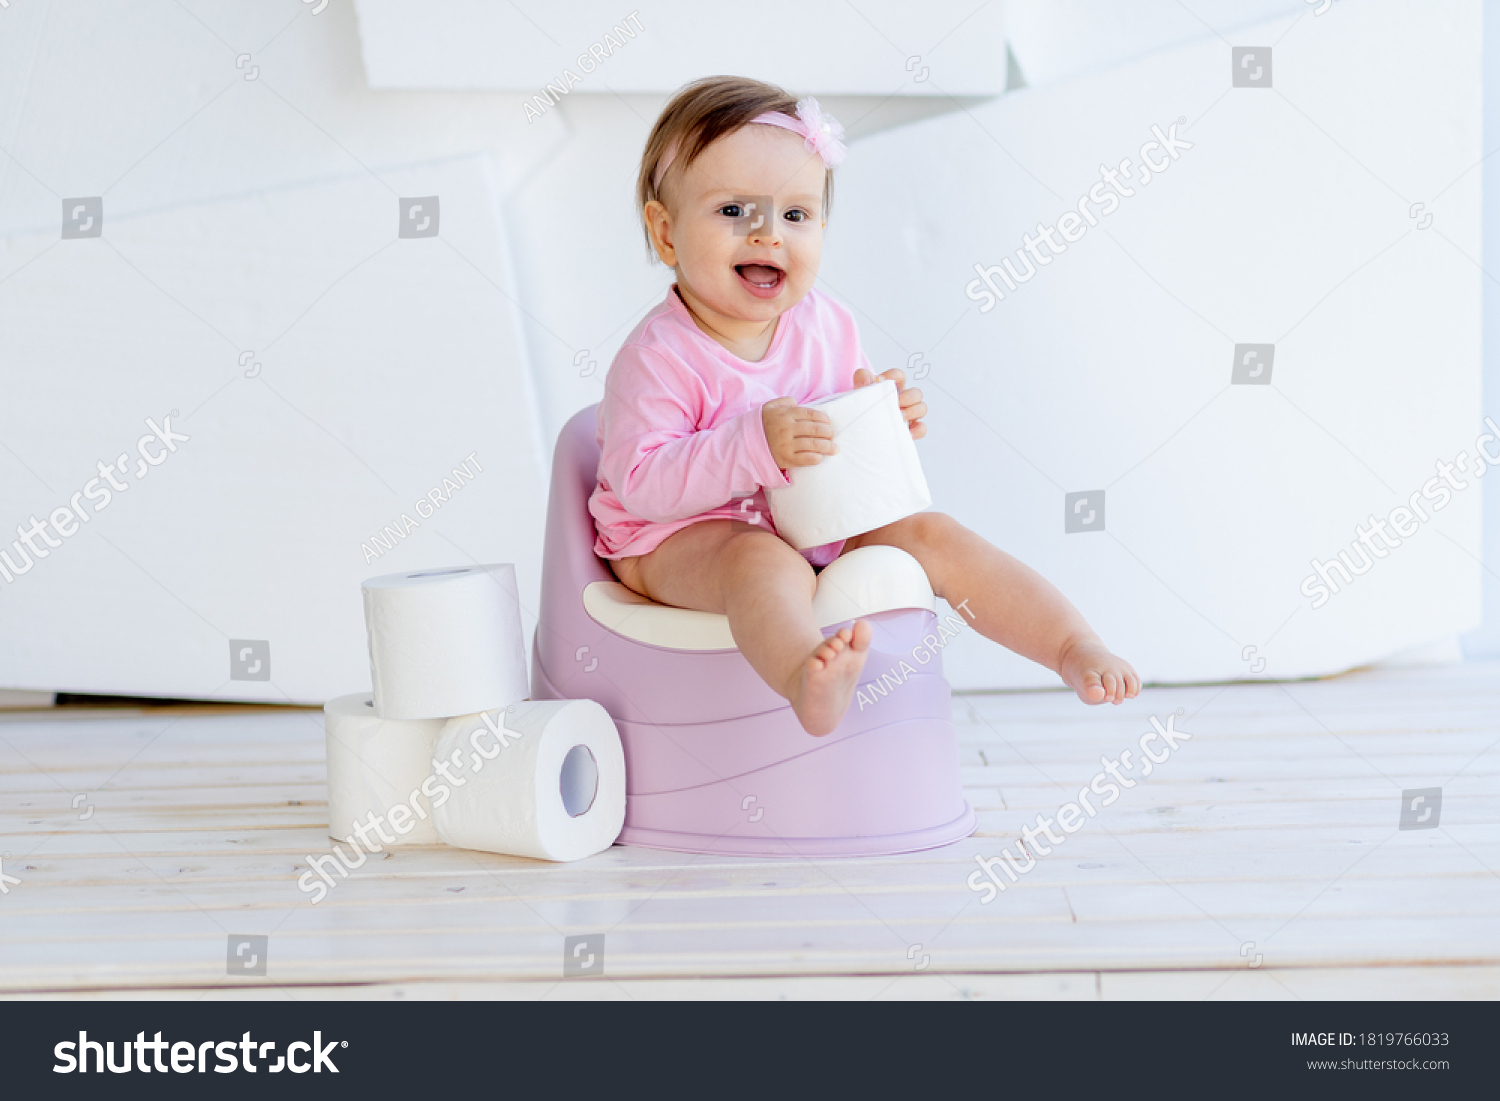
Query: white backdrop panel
(955, 47)
(1061, 39)
(144, 104)
(247, 215)
(405, 363)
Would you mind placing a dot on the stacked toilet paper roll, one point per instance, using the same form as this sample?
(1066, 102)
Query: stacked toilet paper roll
(874, 479)
(542, 778)
(445, 642)
(376, 769)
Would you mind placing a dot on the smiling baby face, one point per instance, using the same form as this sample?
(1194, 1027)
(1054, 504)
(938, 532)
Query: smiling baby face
(744, 266)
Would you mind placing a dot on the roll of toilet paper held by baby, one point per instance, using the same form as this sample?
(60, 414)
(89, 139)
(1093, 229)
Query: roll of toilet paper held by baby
(874, 479)
(446, 748)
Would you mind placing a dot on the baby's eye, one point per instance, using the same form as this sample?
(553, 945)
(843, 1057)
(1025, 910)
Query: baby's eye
(796, 215)
(732, 210)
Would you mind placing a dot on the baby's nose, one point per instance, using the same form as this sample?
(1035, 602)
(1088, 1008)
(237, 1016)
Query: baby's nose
(766, 233)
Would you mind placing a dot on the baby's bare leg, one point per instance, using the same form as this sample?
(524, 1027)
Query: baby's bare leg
(1010, 603)
(766, 590)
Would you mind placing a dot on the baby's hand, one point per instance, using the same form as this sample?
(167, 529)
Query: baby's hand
(913, 408)
(798, 435)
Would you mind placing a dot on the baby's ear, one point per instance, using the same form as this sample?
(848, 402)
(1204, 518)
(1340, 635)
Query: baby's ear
(658, 226)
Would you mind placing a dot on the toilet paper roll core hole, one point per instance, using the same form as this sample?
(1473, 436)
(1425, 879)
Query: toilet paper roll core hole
(579, 782)
(439, 573)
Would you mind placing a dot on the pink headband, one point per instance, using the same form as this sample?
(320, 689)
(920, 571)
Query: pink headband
(820, 133)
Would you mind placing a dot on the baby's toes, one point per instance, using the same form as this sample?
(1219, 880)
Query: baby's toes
(826, 653)
(1111, 685)
(1092, 690)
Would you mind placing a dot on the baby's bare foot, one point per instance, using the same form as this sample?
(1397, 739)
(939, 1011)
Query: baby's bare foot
(825, 684)
(1099, 676)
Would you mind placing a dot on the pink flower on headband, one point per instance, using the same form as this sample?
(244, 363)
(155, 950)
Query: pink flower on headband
(825, 135)
(822, 134)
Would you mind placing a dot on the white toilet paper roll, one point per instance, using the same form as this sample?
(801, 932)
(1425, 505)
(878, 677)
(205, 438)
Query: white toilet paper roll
(874, 479)
(445, 642)
(544, 779)
(376, 766)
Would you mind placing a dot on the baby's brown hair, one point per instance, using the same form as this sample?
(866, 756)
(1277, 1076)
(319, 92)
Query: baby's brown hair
(700, 114)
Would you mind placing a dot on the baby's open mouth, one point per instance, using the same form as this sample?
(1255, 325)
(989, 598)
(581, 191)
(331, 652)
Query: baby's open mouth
(761, 280)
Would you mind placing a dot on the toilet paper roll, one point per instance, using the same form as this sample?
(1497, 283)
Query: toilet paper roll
(445, 642)
(375, 766)
(874, 479)
(544, 779)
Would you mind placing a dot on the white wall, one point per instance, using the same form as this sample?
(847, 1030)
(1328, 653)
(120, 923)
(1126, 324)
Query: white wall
(1287, 223)
(259, 215)
(243, 216)
(1485, 642)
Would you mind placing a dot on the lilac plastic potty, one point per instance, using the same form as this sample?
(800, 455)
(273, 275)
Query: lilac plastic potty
(715, 762)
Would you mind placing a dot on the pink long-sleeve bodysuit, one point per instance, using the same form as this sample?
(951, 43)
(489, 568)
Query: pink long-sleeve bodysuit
(680, 425)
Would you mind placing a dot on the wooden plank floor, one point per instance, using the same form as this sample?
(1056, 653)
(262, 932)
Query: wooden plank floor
(1261, 859)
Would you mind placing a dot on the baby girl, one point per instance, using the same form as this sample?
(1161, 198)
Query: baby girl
(705, 407)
